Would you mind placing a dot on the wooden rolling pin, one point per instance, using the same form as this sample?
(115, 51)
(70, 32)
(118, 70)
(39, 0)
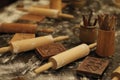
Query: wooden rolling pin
(21, 28)
(66, 57)
(47, 12)
(116, 74)
(56, 4)
(29, 44)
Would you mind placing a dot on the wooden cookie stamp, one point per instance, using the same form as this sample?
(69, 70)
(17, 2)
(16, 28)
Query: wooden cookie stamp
(49, 50)
(93, 66)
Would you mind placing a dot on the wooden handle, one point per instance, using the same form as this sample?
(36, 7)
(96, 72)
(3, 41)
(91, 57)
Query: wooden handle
(61, 38)
(116, 74)
(92, 45)
(66, 15)
(48, 30)
(43, 67)
(5, 49)
(115, 78)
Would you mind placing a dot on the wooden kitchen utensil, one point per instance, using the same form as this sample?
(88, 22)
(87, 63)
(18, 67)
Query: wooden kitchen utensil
(66, 57)
(29, 44)
(116, 74)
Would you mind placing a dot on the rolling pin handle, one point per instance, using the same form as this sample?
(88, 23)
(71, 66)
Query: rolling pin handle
(66, 15)
(50, 30)
(60, 38)
(43, 67)
(5, 49)
(116, 74)
(115, 78)
(92, 45)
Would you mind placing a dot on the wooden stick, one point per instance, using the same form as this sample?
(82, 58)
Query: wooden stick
(47, 30)
(61, 38)
(90, 17)
(95, 22)
(100, 20)
(115, 78)
(43, 67)
(66, 15)
(116, 74)
(92, 45)
(5, 49)
(85, 21)
(113, 23)
(107, 22)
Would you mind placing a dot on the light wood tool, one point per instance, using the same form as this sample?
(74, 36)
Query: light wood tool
(29, 44)
(66, 57)
(22, 28)
(116, 74)
(47, 12)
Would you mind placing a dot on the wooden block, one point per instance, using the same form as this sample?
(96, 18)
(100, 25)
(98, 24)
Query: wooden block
(47, 51)
(21, 36)
(31, 17)
(92, 66)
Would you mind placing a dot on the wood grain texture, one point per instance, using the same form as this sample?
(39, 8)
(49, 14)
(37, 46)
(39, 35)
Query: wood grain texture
(49, 50)
(105, 43)
(17, 28)
(92, 66)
